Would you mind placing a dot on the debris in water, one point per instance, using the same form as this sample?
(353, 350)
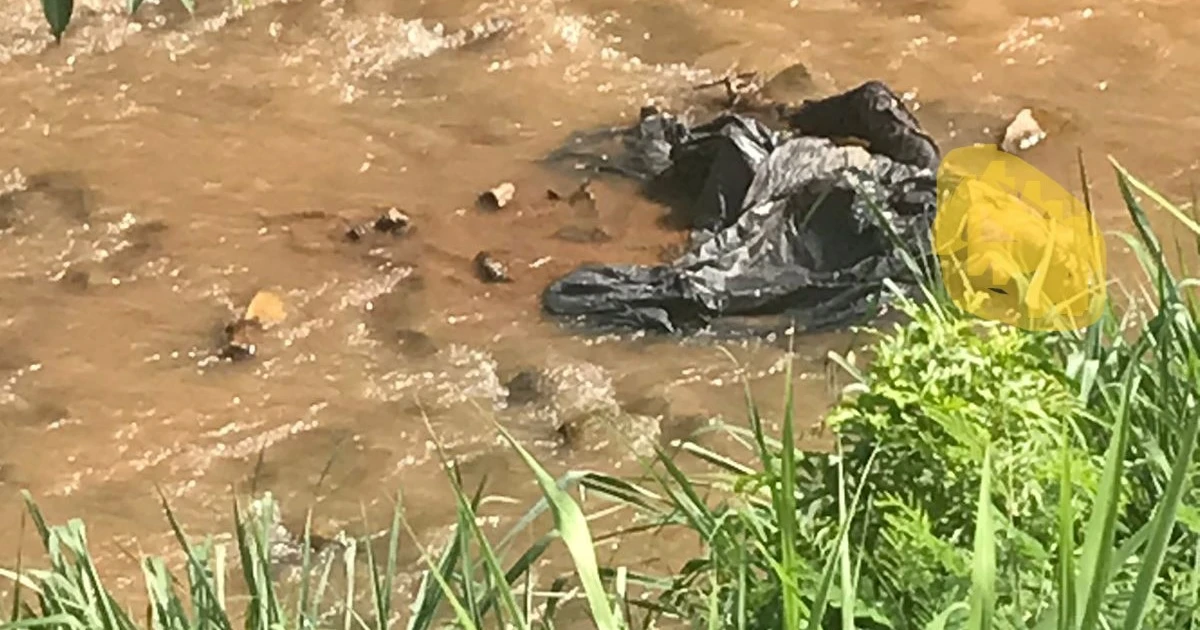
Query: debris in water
(747, 256)
(239, 342)
(490, 269)
(498, 197)
(392, 221)
(738, 87)
(266, 309)
(582, 195)
(1022, 133)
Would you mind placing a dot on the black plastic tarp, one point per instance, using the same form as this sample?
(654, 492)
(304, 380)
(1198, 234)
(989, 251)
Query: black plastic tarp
(785, 223)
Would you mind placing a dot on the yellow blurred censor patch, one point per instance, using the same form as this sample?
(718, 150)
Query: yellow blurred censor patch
(1014, 246)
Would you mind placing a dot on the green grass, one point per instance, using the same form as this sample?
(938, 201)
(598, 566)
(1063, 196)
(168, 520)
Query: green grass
(982, 477)
(59, 13)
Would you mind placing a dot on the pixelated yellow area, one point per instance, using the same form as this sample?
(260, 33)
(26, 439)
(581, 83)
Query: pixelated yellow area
(1015, 246)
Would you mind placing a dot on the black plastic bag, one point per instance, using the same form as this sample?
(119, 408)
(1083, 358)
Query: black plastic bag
(783, 223)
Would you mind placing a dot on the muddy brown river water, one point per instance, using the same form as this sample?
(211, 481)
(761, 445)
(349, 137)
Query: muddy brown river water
(197, 145)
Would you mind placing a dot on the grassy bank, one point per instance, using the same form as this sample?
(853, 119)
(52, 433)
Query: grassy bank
(983, 477)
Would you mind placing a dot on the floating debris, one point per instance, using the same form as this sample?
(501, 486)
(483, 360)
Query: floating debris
(738, 88)
(498, 197)
(239, 340)
(1023, 133)
(489, 269)
(393, 221)
(266, 309)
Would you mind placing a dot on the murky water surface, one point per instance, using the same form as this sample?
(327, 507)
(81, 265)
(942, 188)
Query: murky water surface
(173, 166)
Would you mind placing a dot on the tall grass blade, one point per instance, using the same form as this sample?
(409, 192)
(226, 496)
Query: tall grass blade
(429, 594)
(572, 526)
(221, 621)
(1177, 212)
(1066, 538)
(15, 614)
(381, 580)
(1098, 543)
(785, 502)
(303, 601)
(1164, 524)
(840, 553)
(464, 618)
(493, 572)
(983, 573)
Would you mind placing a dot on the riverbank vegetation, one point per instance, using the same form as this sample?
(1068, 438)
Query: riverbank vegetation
(981, 477)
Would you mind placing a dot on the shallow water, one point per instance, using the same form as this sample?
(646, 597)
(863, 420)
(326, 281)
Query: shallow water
(199, 149)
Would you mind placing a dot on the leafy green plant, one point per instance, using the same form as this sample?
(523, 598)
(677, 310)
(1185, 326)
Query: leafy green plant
(59, 12)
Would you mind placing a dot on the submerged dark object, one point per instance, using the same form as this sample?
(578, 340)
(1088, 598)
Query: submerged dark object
(789, 224)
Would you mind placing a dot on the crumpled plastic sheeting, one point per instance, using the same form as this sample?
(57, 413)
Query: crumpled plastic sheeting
(782, 222)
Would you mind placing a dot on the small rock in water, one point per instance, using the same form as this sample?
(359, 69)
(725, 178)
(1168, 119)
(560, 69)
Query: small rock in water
(416, 344)
(1023, 133)
(579, 234)
(489, 269)
(498, 197)
(266, 309)
(526, 387)
(76, 279)
(60, 194)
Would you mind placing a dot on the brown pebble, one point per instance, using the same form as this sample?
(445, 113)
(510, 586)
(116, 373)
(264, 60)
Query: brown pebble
(498, 197)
